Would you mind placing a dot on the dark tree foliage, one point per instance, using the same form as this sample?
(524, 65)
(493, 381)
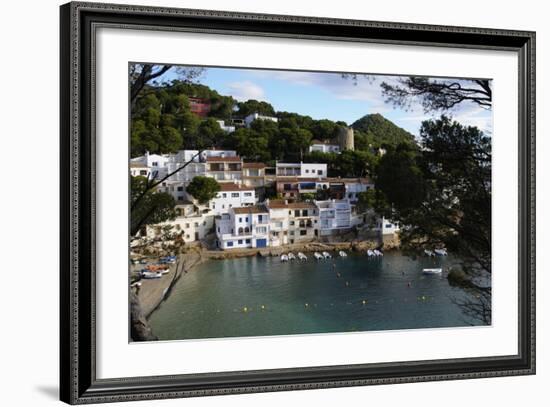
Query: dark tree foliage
(438, 94)
(203, 188)
(254, 106)
(442, 194)
(148, 206)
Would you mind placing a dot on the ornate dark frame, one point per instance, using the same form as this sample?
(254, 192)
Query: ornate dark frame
(78, 382)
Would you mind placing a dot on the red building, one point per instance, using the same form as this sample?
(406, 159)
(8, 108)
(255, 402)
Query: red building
(199, 106)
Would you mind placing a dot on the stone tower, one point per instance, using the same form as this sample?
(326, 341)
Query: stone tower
(345, 138)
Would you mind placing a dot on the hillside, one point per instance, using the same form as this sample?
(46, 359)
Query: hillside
(377, 131)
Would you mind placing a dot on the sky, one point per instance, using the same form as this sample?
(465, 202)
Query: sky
(324, 95)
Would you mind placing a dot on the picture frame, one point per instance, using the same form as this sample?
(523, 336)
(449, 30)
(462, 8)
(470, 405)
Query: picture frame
(78, 347)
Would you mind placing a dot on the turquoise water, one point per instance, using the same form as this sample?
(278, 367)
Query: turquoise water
(262, 296)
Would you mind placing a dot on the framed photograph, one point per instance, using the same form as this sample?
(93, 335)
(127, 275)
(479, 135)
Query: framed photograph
(254, 203)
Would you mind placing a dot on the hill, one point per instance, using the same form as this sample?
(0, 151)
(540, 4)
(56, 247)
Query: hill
(375, 130)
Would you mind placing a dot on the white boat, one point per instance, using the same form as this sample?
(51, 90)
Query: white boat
(327, 255)
(318, 256)
(432, 271)
(284, 257)
(342, 253)
(378, 252)
(441, 252)
(302, 256)
(291, 256)
(136, 284)
(428, 253)
(370, 253)
(149, 275)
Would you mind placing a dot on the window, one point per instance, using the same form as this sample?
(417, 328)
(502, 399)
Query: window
(187, 226)
(297, 212)
(155, 164)
(224, 195)
(248, 194)
(303, 232)
(246, 219)
(229, 244)
(304, 212)
(291, 223)
(180, 189)
(319, 172)
(240, 242)
(247, 241)
(240, 220)
(234, 195)
(388, 225)
(196, 224)
(187, 236)
(144, 172)
(291, 233)
(307, 171)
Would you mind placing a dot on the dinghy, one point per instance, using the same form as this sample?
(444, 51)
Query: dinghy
(342, 253)
(432, 271)
(291, 256)
(302, 256)
(441, 252)
(284, 257)
(327, 255)
(429, 253)
(318, 256)
(370, 253)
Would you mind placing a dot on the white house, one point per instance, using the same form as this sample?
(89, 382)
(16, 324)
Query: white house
(243, 227)
(190, 229)
(227, 129)
(387, 227)
(256, 116)
(254, 174)
(324, 147)
(334, 216)
(303, 218)
(308, 170)
(224, 168)
(139, 169)
(232, 196)
(154, 162)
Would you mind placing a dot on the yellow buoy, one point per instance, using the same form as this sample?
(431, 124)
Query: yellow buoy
(245, 309)
(263, 306)
(306, 304)
(364, 302)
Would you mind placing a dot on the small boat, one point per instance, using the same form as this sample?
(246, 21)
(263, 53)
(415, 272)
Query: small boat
(432, 271)
(157, 267)
(302, 256)
(429, 253)
(318, 256)
(441, 252)
(167, 260)
(284, 257)
(370, 253)
(327, 255)
(342, 253)
(150, 274)
(378, 252)
(291, 256)
(136, 284)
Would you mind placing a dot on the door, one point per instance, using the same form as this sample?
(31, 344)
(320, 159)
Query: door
(261, 242)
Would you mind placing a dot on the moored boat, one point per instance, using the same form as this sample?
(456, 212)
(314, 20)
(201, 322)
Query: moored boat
(302, 256)
(432, 271)
(429, 253)
(378, 252)
(318, 256)
(291, 256)
(326, 255)
(441, 252)
(284, 257)
(150, 274)
(370, 253)
(342, 253)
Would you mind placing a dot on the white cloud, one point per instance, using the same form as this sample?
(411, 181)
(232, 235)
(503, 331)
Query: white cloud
(243, 91)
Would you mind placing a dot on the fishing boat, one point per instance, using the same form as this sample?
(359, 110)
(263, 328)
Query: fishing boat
(302, 256)
(327, 255)
(149, 275)
(370, 253)
(378, 252)
(441, 252)
(167, 260)
(284, 257)
(429, 253)
(432, 271)
(318, 256)
(291, 256)
(342, 253)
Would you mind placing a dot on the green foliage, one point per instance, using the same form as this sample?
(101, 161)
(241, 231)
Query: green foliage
(254, 106)
(148, 206)
(203, 189)
(443, 192)
(374, 131)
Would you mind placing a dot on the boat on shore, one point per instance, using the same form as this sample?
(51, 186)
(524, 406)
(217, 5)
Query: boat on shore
(150, 275)
(441, 252)
(378, 252)
(318, 256)
(302, 256)
(284, 257)
(432, 271)
(291, 256)
(327, 255)
(168, 260)
(370, 253)
(342, 253)
(429, 253)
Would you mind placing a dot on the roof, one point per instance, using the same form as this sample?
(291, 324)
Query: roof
(229, 186)
(223, 159)
(281, 204)
(137, 164)
(184, 203)
(326, 142)
(253, 165)
(279, 178)
(363, 180)
(251, 209)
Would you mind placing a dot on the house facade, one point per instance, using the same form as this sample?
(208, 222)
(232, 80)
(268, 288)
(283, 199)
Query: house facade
(334, 216)
(232, 196)
(243, 228)
(225, 168)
